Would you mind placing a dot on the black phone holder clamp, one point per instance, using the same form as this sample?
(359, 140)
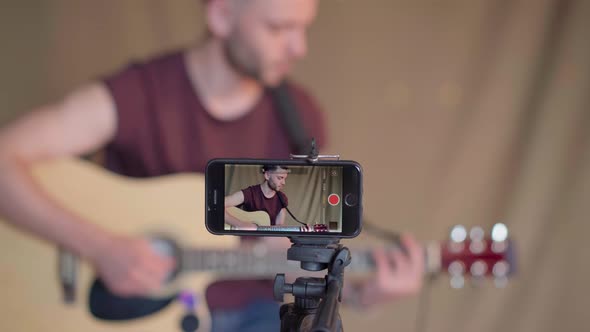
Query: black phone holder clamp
(314, 156)
(317, 300)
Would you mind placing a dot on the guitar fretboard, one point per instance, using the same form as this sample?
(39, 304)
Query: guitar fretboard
(281, 228)
(259, 261)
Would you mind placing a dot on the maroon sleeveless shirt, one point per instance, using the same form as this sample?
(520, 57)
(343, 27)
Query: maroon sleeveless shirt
(254, 200)
(163, 128)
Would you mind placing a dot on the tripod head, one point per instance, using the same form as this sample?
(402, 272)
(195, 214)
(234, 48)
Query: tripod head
(317, 300)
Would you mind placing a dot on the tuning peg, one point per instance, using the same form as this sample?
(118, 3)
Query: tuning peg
(477, 244)
(457, 282)
(458, 234)
(456, 268)
(500, 271)
(499, 238)
(456, 271)
(478, 269)
(476, 234)
(457, 237)
(499, 232)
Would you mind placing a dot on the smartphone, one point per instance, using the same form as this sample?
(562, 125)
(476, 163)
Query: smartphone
(269, 197)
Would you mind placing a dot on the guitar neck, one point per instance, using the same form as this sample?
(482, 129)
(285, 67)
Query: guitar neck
(261, 261)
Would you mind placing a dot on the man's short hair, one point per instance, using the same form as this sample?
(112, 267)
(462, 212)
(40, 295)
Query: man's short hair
(270, 168)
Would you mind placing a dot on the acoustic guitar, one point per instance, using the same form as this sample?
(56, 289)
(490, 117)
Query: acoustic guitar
(170, 210)
(260, 218)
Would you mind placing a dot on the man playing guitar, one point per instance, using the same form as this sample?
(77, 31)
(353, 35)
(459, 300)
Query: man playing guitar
(172, 114)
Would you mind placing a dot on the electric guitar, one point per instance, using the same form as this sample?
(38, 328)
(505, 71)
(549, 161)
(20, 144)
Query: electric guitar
(170, 210)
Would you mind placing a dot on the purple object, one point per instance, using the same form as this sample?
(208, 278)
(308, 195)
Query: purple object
(188, 299)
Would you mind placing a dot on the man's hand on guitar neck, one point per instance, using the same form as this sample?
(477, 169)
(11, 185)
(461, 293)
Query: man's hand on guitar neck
(398, 274)
(130, 266)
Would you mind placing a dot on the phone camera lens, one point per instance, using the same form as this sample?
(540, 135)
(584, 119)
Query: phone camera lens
(351, 200)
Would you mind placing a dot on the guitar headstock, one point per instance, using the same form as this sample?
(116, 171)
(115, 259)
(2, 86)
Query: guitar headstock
(475, 255)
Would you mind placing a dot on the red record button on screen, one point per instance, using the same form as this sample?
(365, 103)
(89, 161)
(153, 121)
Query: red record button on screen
(333, 199)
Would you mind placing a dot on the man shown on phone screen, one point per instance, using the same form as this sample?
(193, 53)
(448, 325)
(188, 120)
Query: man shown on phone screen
(266, 196)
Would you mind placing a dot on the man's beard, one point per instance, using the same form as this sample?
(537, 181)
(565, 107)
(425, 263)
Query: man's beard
(236, 59)
(272, 186)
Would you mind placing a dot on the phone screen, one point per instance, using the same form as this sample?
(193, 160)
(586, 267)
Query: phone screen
(273, 197)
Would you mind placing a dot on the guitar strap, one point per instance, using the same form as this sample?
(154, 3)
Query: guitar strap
(290, 119)
(289, 211)
(300, 143)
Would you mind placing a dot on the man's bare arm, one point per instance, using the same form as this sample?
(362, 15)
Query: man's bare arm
(281, 217)
(80, 123)
(233, 200)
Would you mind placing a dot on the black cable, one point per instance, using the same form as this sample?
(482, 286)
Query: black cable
(289, 211)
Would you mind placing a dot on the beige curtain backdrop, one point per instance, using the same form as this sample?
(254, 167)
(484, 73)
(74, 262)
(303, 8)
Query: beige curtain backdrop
(460, 111)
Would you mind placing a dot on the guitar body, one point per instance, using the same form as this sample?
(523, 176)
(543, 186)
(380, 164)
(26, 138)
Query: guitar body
(169, 205)
(260, 218)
